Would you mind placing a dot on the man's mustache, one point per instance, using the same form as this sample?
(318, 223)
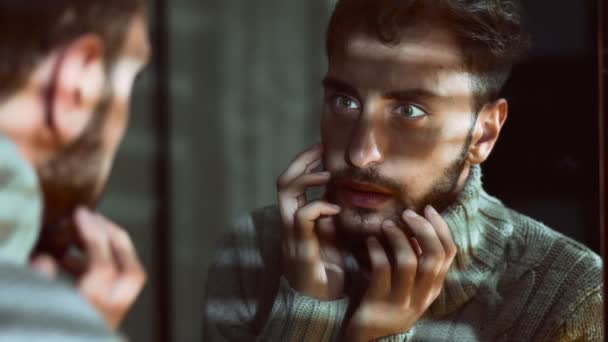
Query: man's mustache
(371, 175)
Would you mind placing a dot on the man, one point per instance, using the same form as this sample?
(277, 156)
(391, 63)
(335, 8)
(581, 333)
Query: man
(411, 111)
(67, 68)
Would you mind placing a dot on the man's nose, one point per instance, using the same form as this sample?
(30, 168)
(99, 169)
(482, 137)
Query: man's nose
(364, 149)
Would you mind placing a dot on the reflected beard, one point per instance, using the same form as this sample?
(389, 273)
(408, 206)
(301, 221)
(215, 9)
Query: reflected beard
(69, 180)
(356, 224)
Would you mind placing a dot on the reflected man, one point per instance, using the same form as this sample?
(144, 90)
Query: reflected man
(405, 245)
(67, 68)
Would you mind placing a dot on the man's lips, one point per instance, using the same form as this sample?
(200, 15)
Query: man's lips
(367, 187)
(365, 195)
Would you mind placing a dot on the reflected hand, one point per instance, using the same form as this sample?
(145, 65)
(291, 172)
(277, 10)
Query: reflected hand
(402, 289)
(312, 264)
(110, 275)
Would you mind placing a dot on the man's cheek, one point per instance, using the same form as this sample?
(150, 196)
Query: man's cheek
(336, 133)
(415, 144)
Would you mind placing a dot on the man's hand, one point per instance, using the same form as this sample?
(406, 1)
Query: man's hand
(109, 274)
(403, 286)
(312, 263)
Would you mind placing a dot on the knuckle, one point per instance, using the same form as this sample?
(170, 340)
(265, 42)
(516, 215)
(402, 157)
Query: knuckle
(453, 251)
(137, 277)
(436, 258)
(436, 292)
(301, 214)
(429, 267)
(406, 263)
(382, 267)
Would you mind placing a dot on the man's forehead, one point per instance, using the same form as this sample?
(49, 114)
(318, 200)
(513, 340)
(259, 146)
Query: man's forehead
(426, 59)
(418, 45)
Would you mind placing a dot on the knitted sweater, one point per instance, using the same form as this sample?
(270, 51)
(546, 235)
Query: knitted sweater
(33, 308)
(513, 279)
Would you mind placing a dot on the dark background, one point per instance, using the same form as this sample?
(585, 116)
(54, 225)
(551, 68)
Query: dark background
(546, 162)
(234, 94)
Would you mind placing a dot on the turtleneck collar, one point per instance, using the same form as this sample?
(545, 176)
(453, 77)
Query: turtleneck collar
(480, 241)
(480, 246)
(20, 205)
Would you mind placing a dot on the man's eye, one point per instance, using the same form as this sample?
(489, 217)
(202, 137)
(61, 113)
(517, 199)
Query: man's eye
(409, 112)
(344, 104)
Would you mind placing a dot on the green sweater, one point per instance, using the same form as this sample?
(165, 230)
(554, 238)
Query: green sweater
(513, 279)
(32, 308)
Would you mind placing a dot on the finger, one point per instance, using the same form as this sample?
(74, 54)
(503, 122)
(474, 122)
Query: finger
(292, 197)
(380, 281)
(328, 240)
(132, 275)
(416, 246)
(94, 237)
(304, 246)
(425, 234)
(122, 246)
(431, 260)
(308, 214)
(125, 292)
(326, 229)
(299, 185)
(405, 262)
(45, 265)
(443, 233)
(314, 166)
(305, 161)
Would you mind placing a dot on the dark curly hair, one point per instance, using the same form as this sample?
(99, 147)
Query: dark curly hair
(31, 29)
(490, 32)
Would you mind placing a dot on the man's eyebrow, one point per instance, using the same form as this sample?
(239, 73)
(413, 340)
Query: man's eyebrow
(336, 84)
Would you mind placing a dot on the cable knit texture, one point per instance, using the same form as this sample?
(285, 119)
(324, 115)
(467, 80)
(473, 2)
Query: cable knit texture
(513, 279)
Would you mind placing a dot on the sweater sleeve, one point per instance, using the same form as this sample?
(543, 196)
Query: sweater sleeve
(295, 317)
(584, 322)
(247, 299)
(33, 309)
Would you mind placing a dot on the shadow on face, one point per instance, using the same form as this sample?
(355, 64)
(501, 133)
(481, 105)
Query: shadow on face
(397, 125)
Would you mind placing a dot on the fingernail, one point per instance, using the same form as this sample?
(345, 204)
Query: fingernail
(431, 210)
(337, 207)
(410, 213)
(325, 173)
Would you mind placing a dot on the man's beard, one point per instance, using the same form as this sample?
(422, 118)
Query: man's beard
(71, 179)
(356, 223)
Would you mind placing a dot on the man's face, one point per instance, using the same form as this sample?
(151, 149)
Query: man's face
(78, 174)
(396, 126)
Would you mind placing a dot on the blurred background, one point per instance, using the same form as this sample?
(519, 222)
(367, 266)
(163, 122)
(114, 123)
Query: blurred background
(233, 94)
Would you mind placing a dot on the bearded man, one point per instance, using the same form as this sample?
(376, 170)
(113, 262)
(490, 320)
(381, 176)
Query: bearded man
(67, 69)
(405, 245)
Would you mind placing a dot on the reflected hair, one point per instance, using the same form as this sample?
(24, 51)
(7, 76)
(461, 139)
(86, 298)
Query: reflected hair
(32, 29)
(490, 33)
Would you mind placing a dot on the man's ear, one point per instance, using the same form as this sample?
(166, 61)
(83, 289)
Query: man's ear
(77, 86)
(487, 129)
